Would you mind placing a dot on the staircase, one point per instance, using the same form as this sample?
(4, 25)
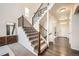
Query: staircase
(33, 36)
(36, 39)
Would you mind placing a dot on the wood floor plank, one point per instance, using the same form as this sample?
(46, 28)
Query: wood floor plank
(19, 50)
(60, 48)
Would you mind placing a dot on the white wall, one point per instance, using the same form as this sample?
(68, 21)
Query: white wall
(75, 32)
(31, 14)
(9, 13)
(51, 27)
(24, 40)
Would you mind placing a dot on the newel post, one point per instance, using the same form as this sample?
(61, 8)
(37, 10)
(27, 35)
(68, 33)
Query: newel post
(39, 45)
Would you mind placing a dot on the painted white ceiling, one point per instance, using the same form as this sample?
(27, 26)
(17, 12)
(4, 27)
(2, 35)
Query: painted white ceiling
(32, 6)
(56, 13)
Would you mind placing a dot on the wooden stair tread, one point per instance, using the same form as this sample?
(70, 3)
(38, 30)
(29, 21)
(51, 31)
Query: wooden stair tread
(33, 36)
(36, 44)
(43, 47)
(36, 39)
(30, 31)
(33, 33)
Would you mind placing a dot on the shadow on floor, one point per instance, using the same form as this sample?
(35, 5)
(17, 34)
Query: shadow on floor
(60, 48)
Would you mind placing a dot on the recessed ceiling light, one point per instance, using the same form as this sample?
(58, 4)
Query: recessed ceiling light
(62, 10)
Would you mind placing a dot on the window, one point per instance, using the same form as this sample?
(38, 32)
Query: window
(26, 12)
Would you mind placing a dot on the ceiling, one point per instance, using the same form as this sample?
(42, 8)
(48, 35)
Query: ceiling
(32, 6)
(55, 10)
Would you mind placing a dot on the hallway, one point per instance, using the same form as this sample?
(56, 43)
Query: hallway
(60, 48)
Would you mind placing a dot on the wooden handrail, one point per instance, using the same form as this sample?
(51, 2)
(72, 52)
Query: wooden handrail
(43, 31)
(22, 21)
(39, 10)
(39, 45)
(42, 27)
(36, 12)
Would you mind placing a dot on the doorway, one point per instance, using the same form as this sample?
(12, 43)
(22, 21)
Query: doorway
(62, 29)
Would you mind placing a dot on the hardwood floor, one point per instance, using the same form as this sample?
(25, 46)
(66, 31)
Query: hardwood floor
(60, 48)
(15, 49)
(19, 50)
